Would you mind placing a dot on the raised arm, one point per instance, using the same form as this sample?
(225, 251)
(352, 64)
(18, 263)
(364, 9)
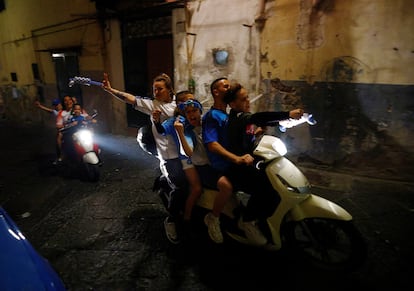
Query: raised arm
(38, 104)
(156, 119)
(123, 96)
(179, 127)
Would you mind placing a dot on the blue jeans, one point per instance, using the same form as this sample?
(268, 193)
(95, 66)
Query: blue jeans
(177, 193)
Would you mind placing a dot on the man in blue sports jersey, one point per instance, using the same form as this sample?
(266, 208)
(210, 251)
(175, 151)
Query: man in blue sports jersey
(215, 138)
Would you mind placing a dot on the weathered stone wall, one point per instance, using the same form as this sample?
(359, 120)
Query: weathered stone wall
(351, 64)
(361, 127)
(29, 34)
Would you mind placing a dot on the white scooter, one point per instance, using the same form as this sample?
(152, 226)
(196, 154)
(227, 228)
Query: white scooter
(319, 229)
(315, 228)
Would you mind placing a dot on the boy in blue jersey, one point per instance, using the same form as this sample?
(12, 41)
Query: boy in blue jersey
(225, 157)
(215, 137)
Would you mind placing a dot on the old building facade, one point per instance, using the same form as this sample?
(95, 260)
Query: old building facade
(350, 63)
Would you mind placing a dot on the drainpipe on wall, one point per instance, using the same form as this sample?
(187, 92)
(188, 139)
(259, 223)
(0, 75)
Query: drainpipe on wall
(190, 39)
(261, 16)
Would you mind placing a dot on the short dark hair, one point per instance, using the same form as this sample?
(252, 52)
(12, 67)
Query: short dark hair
(178, 99)
(231, 93)
(214, 83)
(182, 93)
(56, 102)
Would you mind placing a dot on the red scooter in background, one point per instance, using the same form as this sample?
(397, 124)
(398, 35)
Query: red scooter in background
(81, 152)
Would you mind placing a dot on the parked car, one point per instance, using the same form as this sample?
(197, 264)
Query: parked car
(21, 266)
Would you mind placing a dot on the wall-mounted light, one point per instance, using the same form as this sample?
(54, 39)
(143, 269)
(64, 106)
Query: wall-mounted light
(221, 57)
(58, 55)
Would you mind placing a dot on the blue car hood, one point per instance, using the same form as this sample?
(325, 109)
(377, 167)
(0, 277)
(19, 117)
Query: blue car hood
(21, 266)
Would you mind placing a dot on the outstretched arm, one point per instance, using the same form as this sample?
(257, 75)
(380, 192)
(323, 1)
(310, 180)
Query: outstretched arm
(37, 103)
(123, 96)
(272, 118)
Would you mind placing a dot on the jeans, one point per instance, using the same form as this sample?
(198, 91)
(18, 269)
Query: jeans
(177, 192)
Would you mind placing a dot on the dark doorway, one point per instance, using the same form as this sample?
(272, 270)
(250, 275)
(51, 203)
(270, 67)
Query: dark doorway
(66, 66)
(147, 52)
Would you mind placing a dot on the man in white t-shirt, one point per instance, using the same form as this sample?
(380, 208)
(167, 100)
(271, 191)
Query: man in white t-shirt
(170, 164)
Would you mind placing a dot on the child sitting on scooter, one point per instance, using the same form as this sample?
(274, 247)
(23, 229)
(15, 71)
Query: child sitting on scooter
(200, 173)
(78, 117)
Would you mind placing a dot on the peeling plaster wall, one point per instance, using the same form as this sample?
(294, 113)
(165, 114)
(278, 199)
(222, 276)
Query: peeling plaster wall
(304, 39)
(352, 65)
(28, 34)
(217, 24)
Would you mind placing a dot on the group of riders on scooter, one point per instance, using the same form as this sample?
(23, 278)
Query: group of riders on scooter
(225, 163)
(67, 122)
(226, 139)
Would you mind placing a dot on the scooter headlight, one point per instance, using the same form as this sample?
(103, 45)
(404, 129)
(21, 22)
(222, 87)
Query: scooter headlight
(280, 147)
(85, 137)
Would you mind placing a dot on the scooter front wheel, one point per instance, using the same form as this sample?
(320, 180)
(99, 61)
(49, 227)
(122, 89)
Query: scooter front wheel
(332, 245)
(91, 172)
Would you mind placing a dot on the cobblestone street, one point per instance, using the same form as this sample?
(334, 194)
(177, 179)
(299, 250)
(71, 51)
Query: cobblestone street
(109, 235)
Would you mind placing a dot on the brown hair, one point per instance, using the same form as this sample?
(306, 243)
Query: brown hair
(231, 93)
(180, 95)
(168, 83)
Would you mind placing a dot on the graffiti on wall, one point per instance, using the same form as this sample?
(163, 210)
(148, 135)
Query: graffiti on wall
(344, 69)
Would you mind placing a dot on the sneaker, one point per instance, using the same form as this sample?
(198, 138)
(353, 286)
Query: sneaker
(252, 232)
(171, 231)
(213, 225)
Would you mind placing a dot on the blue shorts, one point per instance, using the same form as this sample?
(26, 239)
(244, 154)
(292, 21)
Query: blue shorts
(208, 176)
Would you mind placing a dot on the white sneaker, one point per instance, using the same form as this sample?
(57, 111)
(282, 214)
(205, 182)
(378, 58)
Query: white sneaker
(213, 225)
(252, 232)
(171, 231)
